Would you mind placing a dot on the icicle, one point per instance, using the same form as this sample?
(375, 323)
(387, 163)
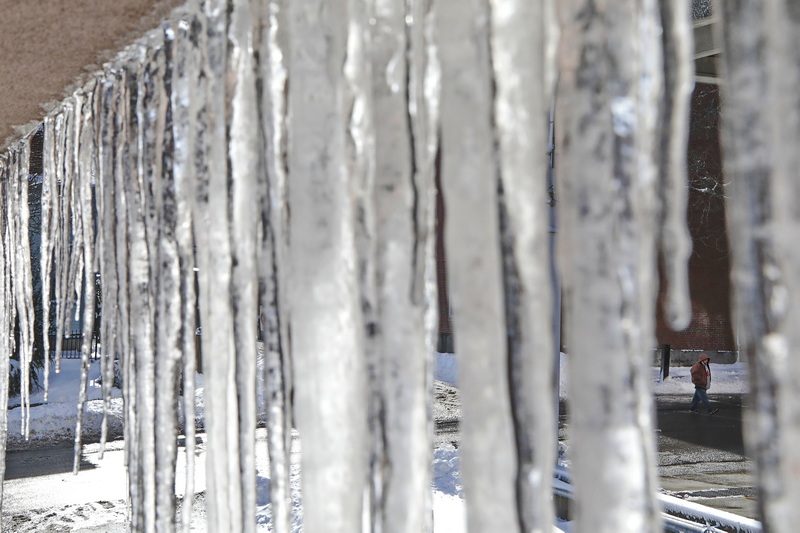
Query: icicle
(10, 221)
(48, 228)
(151, 374)
(183, 102)
(273, 53)
(6, 327)
(470, 186)
(167, 278)
(359, 146)
(674, 239)
(22, 277)
(106, 243)
(760, 60)
(65, 164)
(244, 153)
(404, 203)
(75, 274)
(610, 65)
(58, 229)
(521, 107)
(140, 367)
(212, 232)
(124, 171)
(424, 104)
(328, 357)
(86, 161)
(15, 275)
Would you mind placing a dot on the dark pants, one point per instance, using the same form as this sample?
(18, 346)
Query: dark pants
(700, 396)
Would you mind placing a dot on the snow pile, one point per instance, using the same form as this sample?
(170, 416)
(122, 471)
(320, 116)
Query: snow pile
(447, 471)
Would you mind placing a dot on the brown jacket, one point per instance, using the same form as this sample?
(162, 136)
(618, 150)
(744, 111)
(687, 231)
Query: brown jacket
(700, 374)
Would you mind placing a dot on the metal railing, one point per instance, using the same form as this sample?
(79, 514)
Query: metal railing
(71, 346)
(679, 516)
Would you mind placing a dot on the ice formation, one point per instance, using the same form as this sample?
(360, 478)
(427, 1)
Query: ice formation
(269, 166)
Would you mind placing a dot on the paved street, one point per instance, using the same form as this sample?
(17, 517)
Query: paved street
(701, 457)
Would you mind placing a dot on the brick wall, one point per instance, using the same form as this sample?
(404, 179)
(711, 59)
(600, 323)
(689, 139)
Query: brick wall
(709, 268)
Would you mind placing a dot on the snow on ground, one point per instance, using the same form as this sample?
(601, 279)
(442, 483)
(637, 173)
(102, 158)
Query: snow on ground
(54, 422)
(446, 368)
(725, 379)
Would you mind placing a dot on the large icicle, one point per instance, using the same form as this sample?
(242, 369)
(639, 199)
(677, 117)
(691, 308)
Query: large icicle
(106, 240)
(22, 277)
(75, 270)
(326, 306)
(63, 247)
(6, 327)
(470, 183)
(87, 153)
(760, 128)
(141, 367)
(674, 240)
(183, 100)
(244, 154)
(15, 277)
(48, 229)
(273, 53)
(404, 197)
(519, 36)
(359, 155)
(169, 309)
(610, 65)
(125, 144)
(212, 233)
(60, 223)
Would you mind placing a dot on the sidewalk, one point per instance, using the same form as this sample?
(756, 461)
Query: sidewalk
(701, 458)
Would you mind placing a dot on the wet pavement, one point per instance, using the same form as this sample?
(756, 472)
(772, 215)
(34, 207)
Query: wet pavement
(701, 457)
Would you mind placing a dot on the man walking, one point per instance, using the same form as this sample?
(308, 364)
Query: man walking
(701, 377)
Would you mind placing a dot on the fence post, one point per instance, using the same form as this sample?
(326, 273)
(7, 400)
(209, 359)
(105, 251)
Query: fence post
(665, 362)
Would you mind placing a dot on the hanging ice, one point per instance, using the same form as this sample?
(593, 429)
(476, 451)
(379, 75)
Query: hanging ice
(273, 51)
(21, 275)
(85, 163)
(608, 94)
(5, 316)
(674, 239)
(106, 242)
(49, 221)
(288, 151)
(182, 102)
(759, 41)
(402, 239)
(328, 357)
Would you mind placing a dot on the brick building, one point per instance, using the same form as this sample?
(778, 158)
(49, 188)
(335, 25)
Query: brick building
(711, 328)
